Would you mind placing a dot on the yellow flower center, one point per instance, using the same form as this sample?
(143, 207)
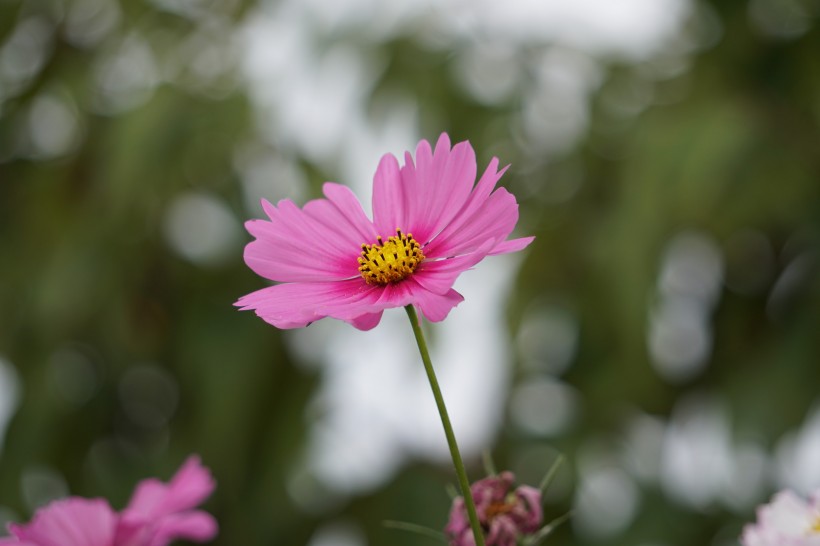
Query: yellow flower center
(815, 529)
(392, 261)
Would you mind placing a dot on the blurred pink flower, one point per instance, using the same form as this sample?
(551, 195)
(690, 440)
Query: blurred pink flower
(157, 514)
(505, 514)
(786, 521)
(431, 221)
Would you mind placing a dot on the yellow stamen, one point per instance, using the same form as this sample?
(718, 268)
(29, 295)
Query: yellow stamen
(392, 261)
(816, 527)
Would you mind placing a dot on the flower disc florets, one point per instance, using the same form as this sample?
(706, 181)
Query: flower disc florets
(385, 263)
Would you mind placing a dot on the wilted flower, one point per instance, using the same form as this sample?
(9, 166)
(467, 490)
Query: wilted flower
(431, 222)
(786, 521)
(505, 514)
(157, 514)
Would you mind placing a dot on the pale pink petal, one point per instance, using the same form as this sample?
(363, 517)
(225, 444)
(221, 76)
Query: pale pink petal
(787, 513)
(295, 305)
(196, 526)
(511, 245)
(753, 536)
(786, 521)
(443, 184)
(69, 522)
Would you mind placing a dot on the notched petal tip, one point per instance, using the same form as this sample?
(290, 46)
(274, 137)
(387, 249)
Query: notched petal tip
(443, 143)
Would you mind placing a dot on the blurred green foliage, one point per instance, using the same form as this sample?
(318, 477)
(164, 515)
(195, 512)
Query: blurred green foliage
(726, 147)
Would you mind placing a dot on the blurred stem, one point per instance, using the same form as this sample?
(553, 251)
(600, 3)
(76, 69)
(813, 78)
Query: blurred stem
(464, 483)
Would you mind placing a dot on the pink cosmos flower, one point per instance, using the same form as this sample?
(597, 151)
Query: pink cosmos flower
(786, 521)
(504, 514)
(157, 514)
(431, 221)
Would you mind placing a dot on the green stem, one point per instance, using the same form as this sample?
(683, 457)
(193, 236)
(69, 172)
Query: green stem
(464, 483)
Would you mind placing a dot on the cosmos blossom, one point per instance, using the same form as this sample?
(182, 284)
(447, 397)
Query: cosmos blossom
(157, 514)
(505, 514)
(788, 520)
(431, 221)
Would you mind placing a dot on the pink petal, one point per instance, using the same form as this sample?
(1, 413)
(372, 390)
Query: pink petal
(483, 189)
(512, 245)
(368, 321)
(502, 532)
(397, 295)
(148, 495)
(411, 181)
(351, 210)
(191, 485)
(389, 204)
(195, 526)
(491, 489)
(69, 522)
(458, 521)
(132, 529)
(443, 184)
(294, 245)
(287, 260)
(438, 276)
(302, 228)
(495, 219)
(296, 305)
(528, 513)
(436, 307)
(397, 193)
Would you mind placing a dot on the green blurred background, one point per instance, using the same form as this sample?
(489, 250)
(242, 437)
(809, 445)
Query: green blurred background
(661, 332)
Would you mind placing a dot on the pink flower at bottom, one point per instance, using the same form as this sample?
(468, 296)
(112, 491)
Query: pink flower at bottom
(157, 514)
(504, 514)
(431, 222)
(786, 521)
